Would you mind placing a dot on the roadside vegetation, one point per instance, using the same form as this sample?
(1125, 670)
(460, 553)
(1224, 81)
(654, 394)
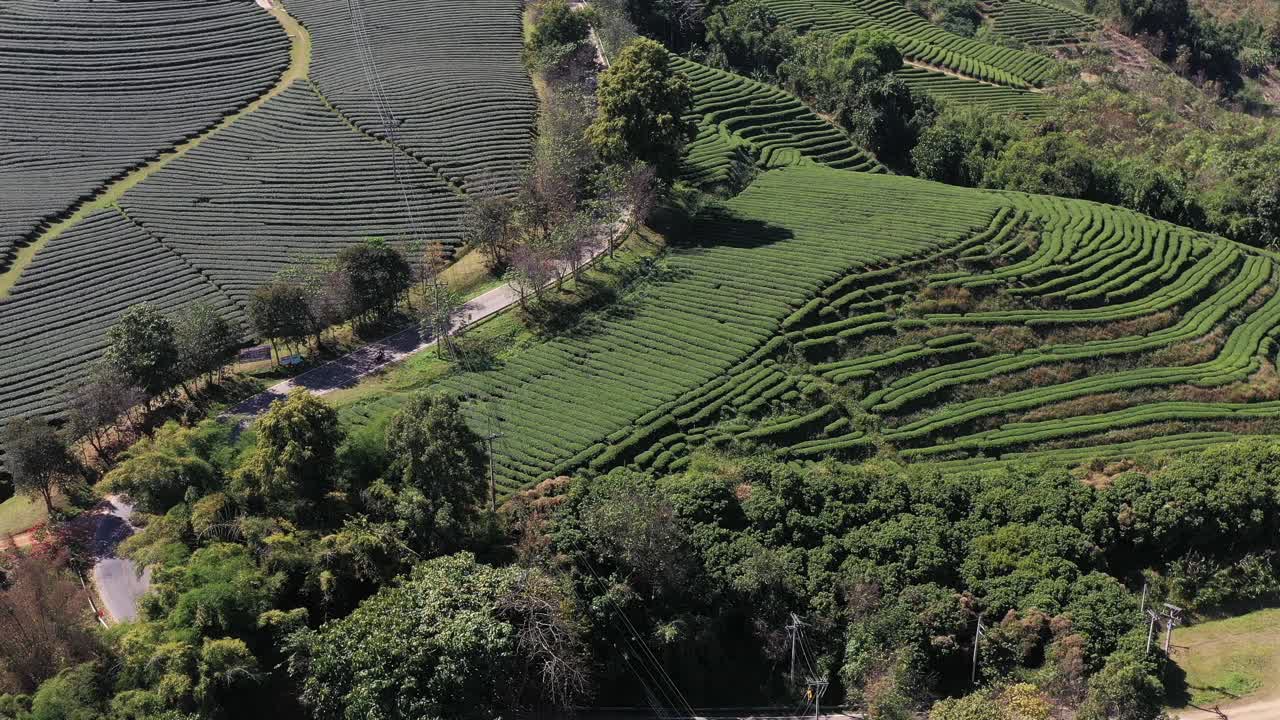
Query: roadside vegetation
(757, 394)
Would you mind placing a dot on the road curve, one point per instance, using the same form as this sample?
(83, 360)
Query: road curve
(116, 579)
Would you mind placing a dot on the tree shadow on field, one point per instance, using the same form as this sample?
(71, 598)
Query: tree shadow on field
(620, 297)
(718, 226)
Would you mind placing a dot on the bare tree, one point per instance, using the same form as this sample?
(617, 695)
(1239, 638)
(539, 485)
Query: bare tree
(627, 196)
(531, 271)
(548, 638)
(97, 403)
(325, 291)
(46, 620)
(440, 317)
(490, 226)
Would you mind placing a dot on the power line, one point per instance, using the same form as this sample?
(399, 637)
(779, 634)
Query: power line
(382, 105)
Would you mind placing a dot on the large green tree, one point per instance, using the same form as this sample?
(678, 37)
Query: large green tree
(206, 340)
(293, 463)
(746, 35)
(455, 639)
(144, 346)
(38, 459)
(558, 32)
(437, 470)
(851, 77)
(280, 311)
(643, 103)
(377, 276)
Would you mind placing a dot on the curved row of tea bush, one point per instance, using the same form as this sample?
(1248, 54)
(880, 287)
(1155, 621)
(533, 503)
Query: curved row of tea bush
(1107, 329)
(918, 39)
(745, 121)
(54, 324)
(454, 92)
(292, 181)
(689, 352)
(1038, 21)
(91, 90)
(962, 91)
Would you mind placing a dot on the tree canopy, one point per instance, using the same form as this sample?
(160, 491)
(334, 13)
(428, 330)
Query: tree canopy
(642, 107)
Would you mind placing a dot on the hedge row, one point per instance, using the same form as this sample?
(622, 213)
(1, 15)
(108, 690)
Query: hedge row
(91, 90)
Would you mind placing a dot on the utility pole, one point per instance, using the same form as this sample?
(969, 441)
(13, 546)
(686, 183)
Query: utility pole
(1173, 616)
(819, 688)
(493, 482)
(1154, 618)
(793, 632)
(978, 633)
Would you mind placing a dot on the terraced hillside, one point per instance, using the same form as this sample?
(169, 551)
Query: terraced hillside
(93, 89)
(997, 98)
(53, 323)
(824, 313)
(291, 181)
(747, 124)
(294, 174)
(1038, 22)
(919, 40)
(449, 79)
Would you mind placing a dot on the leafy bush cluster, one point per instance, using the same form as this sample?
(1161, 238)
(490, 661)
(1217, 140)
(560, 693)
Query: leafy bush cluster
(892, 568)
(1205, 179)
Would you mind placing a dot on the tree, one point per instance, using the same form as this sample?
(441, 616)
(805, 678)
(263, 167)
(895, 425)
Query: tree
(490, 226)
(143, 346)
(626, 197)
(962, 144)
(455, 639)
(531, 270)
(851, 77)
(325, 290)
(226, 668)
(1052, 164)
(38, 458)
(47, 626)
(437, 469)
(96, 404)
(643, 108)
(557, 33)
(206, 340)
(441, 316)
(1126, 688)
(157, 471)
(75, 694)
(279, 311)
(292, 465)
(378, 276)
(746, 35)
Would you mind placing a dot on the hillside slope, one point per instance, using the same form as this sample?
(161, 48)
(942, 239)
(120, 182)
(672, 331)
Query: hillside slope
(826, 313)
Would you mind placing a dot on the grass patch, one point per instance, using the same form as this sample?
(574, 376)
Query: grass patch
(20, 513)
(1224, 660)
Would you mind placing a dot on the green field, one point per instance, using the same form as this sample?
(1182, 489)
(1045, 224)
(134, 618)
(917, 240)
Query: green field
(823, 313)
(744, 125)
(20, 513)
(1230, 660)
(918, 40)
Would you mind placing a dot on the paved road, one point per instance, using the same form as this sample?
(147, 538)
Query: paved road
(117, 579)
(347, 370)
